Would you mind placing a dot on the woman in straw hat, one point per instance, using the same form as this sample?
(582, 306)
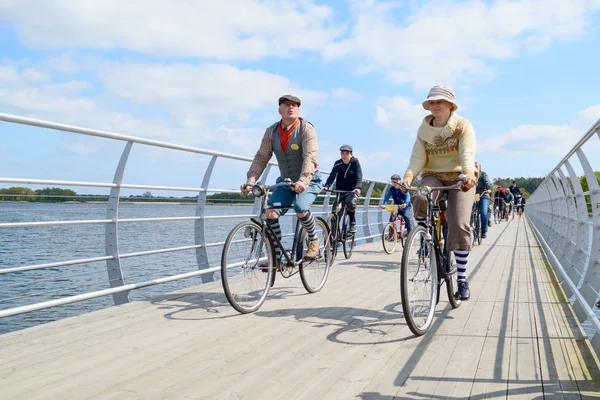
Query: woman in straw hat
(444, 149)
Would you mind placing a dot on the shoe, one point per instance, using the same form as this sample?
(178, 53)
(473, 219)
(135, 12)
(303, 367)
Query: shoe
(264, 267)
(313, 250)
(490, 224)
(352, 227)
(483, 235)
(463, 291)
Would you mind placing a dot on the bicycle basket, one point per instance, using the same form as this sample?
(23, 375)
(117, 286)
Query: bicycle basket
(477, 197)
(393, 208)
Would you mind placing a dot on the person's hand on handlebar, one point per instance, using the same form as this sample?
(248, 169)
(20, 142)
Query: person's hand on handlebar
(325, 188)
(246, 188)
(356, 192)
(299, 187)
(470, 182)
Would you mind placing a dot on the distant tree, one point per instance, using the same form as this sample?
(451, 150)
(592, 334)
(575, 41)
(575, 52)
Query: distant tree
(147, 194)
(17, 194)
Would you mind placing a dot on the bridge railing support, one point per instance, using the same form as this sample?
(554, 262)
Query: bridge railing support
(566, 220)
(119, 285)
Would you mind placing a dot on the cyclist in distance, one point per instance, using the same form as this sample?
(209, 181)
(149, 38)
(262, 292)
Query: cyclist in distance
(401, 197)
(484, 188)
(347, 174)
(443, 150)
(294, 142)
(499, 199)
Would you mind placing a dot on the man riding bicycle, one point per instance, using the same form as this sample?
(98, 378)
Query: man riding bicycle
(509, 202)
(348, 176)
(294, 142)
(401, 197)
(484, 188)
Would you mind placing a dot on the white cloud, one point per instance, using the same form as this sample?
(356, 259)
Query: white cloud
(445, 42)
(346, 94)
(233, 29)
(399, 114)
(203, 89)
(554, 140)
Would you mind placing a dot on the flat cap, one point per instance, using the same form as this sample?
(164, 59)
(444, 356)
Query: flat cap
(289, 97)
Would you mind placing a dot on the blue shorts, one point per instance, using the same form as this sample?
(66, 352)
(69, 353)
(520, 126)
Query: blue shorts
(285, 196)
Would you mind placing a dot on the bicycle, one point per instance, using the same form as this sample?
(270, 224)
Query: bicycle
(340, 235)
(393, 231)
(476, 221)
(254, 263)
(424, 247)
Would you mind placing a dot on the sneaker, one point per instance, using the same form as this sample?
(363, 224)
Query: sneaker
(463, 290)
(483, 235)
(490, 224)
(352, 227)
(264, 267)
(313, 250)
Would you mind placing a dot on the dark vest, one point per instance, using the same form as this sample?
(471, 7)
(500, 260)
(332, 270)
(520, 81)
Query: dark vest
(290, 161)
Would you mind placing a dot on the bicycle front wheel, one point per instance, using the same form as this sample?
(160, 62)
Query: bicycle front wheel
(388, 238)
(247, 267)
(314, 273)
(418, 281)
(348, 243)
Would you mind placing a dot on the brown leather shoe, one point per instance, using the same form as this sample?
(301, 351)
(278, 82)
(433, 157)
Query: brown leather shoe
(313, 250)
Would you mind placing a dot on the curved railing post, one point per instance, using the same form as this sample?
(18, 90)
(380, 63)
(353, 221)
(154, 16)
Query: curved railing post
(199, 228)
(113, 266)
(380, 214)
(569, 245)
(591, 279)
(366, 226)
(263, 180)
(582, 236)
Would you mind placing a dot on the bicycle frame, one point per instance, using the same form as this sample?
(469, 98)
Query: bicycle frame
(266, 228)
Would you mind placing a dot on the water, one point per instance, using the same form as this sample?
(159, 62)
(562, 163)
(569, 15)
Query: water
(28, 246)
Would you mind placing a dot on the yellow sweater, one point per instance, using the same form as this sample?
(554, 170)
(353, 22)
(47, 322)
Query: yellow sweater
(443, 152)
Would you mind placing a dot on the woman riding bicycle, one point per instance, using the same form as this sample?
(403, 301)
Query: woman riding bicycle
(499, 201)
(401, 197)
(444, 149)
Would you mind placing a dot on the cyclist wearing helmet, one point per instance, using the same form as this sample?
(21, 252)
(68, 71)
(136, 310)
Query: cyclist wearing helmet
(401, 197)
(348, 176)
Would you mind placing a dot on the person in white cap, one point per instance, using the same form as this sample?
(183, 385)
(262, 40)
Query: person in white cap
(444, 149)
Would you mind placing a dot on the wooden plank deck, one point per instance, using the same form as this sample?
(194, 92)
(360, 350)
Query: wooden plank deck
(516, 339)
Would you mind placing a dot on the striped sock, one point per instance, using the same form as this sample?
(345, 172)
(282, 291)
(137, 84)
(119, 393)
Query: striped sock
(421, 221)
(462, 256)
(308, 222)
(274, 224)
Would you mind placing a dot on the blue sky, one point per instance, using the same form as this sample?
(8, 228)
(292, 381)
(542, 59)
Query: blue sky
(208, 74)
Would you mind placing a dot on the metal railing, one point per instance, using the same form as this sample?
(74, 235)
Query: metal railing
(205, 261)
(566, 220)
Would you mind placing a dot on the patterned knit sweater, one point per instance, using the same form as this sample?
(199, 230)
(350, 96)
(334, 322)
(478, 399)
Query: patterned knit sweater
(443, 152)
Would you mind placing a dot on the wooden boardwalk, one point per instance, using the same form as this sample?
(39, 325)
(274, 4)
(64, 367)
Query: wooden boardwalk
(516, 339)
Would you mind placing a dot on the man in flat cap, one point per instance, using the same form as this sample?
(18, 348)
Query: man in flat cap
(294, 142)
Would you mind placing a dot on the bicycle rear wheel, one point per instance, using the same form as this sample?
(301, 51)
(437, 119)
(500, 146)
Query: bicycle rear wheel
(418, 281)
(314, 273)
(247, 267)
(389, 237)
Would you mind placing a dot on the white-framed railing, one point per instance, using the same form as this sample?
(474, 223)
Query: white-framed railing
(566, 220)
(120, 286)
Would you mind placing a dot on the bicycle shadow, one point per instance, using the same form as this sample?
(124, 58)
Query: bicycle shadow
(199, 306)
(351, 325)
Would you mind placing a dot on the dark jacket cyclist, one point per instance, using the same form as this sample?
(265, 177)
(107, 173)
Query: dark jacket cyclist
(347, 174)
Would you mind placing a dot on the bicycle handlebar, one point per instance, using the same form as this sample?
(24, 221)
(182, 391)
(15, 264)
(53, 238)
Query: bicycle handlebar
(426, 190)
(339, 191)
